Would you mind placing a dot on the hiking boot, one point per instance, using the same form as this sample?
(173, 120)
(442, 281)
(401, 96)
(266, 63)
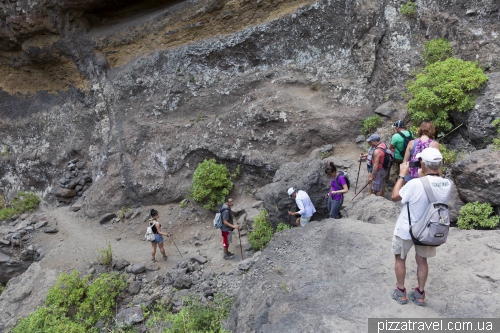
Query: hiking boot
(399, 296)
(153, 260)
(417, 297)
(165, 258)
(228, 256)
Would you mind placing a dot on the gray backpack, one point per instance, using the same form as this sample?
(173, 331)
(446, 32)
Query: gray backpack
(218, 218)
(432, 228)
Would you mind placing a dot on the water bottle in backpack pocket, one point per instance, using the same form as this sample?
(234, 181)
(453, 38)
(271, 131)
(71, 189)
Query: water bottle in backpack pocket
(433, 227)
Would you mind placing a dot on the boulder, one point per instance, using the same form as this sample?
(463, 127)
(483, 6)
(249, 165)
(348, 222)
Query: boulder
(137, 268)
(478, 128)
(182, 281)
(130, 316)
(307, 175)
(50, 230)
(198, 259)
(477, 177)
(374, 209)
(64, 192)
(387, 109)
(106, 218)
(134, 287)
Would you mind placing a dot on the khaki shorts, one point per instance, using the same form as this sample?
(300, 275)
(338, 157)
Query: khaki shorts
(403, 246)
(304, 220)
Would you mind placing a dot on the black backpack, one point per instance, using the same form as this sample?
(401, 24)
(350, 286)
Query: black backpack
(346, 177)
(388, 156)
(407, 140)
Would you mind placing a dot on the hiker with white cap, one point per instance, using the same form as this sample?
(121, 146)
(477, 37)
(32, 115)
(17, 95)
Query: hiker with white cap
(414, 195)
(306, 207)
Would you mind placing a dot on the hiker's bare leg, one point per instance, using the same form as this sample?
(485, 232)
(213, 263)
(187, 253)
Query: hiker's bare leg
(400, 269)
(153, 249)
(297, 222)
(422, 271)
(162, 249)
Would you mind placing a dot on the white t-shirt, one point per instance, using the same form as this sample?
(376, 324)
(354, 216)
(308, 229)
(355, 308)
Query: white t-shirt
(306, 207)
(414, 193)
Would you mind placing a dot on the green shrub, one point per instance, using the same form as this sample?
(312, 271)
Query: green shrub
(105, 256)
(195, 317)
(496, 141)
(408, 8)
(437, 50)
(475, 214)
(443, 87)
(262, 232)
(21, 203)
(124, 210)
(211, 183)
(75, 305)
(368, 125)
(2, 288)
(94, 306)
(449, 156)
(282, 226)
(5, 151)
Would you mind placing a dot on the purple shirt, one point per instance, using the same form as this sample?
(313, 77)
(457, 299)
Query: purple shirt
(333, 183)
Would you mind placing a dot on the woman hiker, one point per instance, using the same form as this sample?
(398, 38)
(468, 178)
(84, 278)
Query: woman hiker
(426, 133)
(156, 227)
(338, 186)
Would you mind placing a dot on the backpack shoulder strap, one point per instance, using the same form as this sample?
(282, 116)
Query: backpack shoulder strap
(430, 194)
(428, 189)
(404, 136)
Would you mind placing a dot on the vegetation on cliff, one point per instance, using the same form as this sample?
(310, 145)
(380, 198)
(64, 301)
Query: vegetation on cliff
(443, 86)
(22, 202)
(211, 183)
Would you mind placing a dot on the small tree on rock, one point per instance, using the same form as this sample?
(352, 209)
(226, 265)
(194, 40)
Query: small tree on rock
(211, 183)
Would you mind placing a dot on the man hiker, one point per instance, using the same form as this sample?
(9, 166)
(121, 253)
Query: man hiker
(413, 196)
(399, 142)
(377, 176)
(306, 207)
(227, 227)
(369, 161)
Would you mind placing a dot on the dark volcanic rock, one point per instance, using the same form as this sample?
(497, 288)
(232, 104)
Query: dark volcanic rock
(477, 177)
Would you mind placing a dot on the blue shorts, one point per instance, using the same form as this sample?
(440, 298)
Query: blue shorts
(370, 168)
(158, 238)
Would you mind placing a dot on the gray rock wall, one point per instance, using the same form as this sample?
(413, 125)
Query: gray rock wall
(144, 98)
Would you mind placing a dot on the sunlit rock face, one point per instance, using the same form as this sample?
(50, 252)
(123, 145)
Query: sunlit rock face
(145, 90)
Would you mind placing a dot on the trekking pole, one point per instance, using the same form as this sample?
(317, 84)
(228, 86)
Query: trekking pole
(359, 169)
(290, 216)
(177, 248)
(360, 191)
(241, 248)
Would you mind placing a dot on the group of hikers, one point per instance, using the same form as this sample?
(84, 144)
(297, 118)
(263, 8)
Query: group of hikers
(413, 160)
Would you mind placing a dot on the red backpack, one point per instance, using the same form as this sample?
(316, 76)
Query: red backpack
(388, 156)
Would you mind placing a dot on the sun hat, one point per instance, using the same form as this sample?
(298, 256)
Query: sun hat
(373, 137)
(290, 191)
(430, 155)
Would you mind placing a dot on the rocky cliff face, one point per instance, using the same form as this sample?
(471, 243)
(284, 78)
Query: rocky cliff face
(144, 90)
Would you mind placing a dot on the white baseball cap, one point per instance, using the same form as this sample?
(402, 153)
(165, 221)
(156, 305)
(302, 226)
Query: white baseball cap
(290, 191)
(430, 155)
